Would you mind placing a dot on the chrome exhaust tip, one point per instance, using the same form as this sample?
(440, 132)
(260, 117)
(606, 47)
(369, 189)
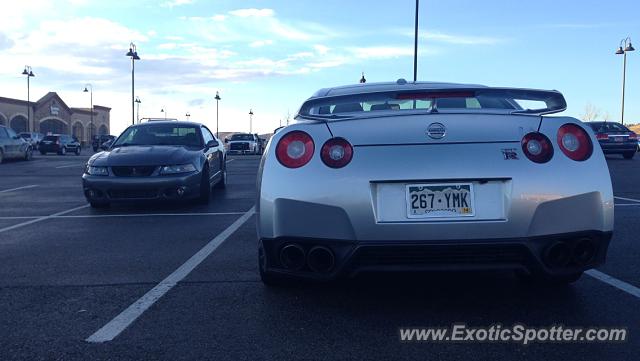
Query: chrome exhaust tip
(557, 255)
(584, 252)
(292, 257)
(321, 259)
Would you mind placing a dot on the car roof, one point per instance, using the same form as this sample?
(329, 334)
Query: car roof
(168, 122)
(398, 85)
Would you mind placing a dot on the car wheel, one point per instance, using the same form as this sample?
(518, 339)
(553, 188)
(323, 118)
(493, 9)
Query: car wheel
(28, 154)
(1, 156)
(63, 151)
(628, 155)
(78, 150)
(99, 204)
(271, 279)
(222, 183)
(205, 187)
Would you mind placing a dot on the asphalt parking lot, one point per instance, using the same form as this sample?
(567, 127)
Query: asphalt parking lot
(180, 281)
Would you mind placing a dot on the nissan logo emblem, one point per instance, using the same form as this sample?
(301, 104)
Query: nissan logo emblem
(436, 131)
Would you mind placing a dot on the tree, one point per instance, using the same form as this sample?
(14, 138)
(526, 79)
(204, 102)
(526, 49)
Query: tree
(590, 113)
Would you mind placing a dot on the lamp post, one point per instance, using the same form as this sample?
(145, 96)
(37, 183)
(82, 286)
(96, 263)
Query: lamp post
(415, 46)
(29, 73)
(187, 115)
(250, 121)
(217, 98)
(625, 46)
(89, 89)
(138, 101)
(133, 53)
(164, 111)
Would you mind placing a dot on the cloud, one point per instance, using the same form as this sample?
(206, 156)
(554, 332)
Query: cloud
(381, 52)
(459, 39)
(260, 43)
(173, 3)
(252, 13)
(321, 49)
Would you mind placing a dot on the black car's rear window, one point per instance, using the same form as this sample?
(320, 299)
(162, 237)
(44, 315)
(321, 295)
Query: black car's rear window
(51, 137)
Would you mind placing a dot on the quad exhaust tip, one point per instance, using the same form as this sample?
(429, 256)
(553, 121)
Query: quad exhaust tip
(557, 255)
(584, 251)
(561, 254)
(321, 259)
(292, 257)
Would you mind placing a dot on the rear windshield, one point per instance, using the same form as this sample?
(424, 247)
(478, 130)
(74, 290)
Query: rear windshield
(51, 137)
(608, 127)
(160, 134)
(507, 100)
(242, 137)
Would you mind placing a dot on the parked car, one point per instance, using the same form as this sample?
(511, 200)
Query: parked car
(432, 176)
(615, 138)
(157, 161)
(244, 143)
(98, 140)
(61, 144)
(13, 146)
(32, 138)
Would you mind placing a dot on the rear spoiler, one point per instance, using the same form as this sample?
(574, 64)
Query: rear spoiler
(554, 101)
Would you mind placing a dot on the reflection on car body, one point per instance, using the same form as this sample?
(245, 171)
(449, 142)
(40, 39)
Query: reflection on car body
(157, 161)
(432, 176)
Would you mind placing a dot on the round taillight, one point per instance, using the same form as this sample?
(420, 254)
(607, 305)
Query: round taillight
(336, 152)
(537, 147)
(295, 149)
(574, 142)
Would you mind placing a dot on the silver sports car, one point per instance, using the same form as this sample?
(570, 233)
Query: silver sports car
(432, 176)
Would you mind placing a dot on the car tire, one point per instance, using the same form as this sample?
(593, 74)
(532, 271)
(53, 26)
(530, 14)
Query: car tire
(98, 205)
(205, 187)
(62, 151)
(78, 150)
(1, 156)
(28, 154)
(272, 279)
(628, 155)
(222, 183)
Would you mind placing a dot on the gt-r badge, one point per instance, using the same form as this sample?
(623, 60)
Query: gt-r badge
(436, 131)
(510, 154)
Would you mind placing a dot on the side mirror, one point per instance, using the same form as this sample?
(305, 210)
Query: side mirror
(212, 144)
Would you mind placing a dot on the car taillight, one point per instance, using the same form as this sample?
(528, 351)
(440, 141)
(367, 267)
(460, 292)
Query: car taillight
(537, 147)
(633, 136)
(574, 142)
(602, 136)
(336, 152)
(295, 149)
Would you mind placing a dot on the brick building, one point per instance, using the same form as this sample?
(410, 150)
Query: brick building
(51, 114)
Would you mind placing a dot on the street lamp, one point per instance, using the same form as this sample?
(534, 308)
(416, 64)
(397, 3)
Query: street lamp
(187, 115)
(29, 73)
(415, 45)
(138, 101)
(133, 53)
(217, 98)
(250, 121)
(625, 46)
(89, 89)
(164, 111)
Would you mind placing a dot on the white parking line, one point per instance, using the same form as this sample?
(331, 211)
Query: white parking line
(41, 219)
(112, 329)
(70, 165)
(129, 215)
(15, 189)
(628, 204)
(230, 160)
(621, 285)
(627, 199)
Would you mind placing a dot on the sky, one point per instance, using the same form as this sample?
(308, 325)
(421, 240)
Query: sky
(269, 56)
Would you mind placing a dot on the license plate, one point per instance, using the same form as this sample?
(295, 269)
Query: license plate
(449, 200)
(619, 139)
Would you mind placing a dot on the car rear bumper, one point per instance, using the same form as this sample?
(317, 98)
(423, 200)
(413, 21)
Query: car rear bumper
(580, 251)
(125, 189)
(614, 148)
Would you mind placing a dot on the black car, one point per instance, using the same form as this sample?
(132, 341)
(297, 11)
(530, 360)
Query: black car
(98, 140)
(615, 138)
(157, 161)
(59, 143)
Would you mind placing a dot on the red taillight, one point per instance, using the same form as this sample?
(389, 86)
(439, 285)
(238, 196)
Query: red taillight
(574, 142)
(336, 152)
(295, 149)
(602, 136)
(633, 136)
(537, 147)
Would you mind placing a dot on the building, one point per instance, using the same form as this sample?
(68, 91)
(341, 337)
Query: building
(51, 114)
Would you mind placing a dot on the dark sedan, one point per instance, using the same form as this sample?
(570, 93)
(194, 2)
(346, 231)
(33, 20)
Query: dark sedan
(615, 138)
(157, 161)
(59, 143)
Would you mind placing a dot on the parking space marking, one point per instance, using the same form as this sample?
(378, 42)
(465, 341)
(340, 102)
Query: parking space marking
(612, 281)
(230, 160)
(70, 165)
(151, 215)
(628, 204)
(15, 189)
(627, 199)
(41, 219)
(112, 329)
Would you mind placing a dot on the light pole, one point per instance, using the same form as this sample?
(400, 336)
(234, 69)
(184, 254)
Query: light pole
(250, 121)
(138, 101)
(217, 98)
(29, 73)
(415, 46)
(164, 111)
(133, 53)
(625, 46)
(89, 89)
(187, 115)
